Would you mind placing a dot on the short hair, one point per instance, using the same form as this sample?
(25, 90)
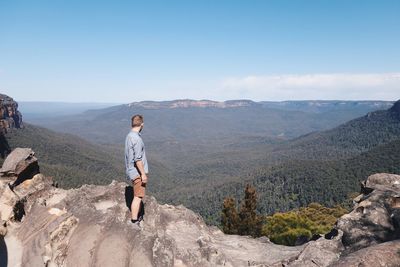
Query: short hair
(137, 120)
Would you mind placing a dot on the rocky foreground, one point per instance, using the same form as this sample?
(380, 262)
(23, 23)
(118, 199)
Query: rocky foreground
(43, 225)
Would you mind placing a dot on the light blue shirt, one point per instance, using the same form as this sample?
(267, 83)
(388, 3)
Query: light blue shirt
(134, 151)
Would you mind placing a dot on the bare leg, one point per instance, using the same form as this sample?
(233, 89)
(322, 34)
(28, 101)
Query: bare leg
(135, 207)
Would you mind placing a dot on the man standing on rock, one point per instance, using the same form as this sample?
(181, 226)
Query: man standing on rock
(136, 165)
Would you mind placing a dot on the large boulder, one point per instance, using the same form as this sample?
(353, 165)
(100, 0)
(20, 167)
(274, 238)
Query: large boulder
(376, 215)
(20, 163)
(19, 178)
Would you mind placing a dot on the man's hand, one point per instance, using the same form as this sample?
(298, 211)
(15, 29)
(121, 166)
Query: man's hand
(144, 178)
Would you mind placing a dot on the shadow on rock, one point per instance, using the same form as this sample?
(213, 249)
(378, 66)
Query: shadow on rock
(129, 198)
(3, 253)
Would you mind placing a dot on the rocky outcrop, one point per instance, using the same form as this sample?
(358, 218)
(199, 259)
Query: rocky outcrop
(10, 118)
(322, 252)
(19, 160)
(381, 255)
(20, 164)
(42, 225)
(90, 226)
(376, 215)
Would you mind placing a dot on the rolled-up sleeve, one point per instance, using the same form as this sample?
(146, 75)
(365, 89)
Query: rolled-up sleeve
(138, 151)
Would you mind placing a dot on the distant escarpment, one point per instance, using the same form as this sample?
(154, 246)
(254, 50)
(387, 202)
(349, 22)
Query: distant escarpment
(306, 106)
(188, 103)
(10, 118)
(43, 225)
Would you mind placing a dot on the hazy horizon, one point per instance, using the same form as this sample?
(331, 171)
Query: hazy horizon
(191, 99)
(274, 50)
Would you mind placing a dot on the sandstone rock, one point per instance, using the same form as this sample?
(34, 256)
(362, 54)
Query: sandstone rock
(383, 181)
(20, 164)
(321, 252)
(375, 218)
(16, 162)
(382, 255)
(3, 228)
(4, 146)
(10, 118)
(90, 226)
(14, 204)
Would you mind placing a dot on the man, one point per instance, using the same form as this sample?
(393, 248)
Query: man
(136, 165)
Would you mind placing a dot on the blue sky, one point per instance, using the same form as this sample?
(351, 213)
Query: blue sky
(125, 51)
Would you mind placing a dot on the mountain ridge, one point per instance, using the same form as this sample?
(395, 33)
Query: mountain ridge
(290, 104)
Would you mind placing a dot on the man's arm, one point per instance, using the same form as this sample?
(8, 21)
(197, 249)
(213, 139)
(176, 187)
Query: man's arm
(140, 166)
(138, 155)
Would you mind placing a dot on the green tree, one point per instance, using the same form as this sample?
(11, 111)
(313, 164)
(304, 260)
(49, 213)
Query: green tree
(250, 223)
(229, 216)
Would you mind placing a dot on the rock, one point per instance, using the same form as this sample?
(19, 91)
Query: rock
(382, 255)
(90, 226)
(3, 228)
(4, 146)
(322, 252)
(13, 204)
(18, 161)
(10, 118)
(20, 164)
(383, 181)
(376, 215)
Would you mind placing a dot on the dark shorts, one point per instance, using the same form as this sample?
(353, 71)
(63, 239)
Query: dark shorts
(139, 188)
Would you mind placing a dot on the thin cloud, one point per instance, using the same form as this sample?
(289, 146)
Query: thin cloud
(385, 86)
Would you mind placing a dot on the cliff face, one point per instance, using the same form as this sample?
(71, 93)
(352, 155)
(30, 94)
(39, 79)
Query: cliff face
(43, 225)
(188, 103)
(10, 118)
